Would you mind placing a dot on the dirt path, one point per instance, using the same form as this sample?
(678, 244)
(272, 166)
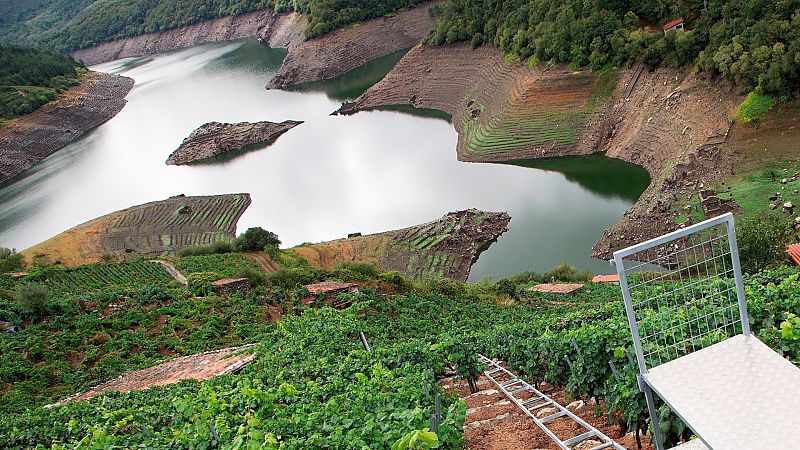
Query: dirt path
(493, 422)
(172, 271)
(263, 260)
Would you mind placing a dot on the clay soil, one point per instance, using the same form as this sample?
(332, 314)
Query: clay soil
(152, 229)
(446, 247)
(26, 140)
(343, 50)
(195, 367)
(493, 422)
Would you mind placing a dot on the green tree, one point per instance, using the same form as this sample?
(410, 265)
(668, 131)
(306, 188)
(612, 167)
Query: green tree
(257, 239)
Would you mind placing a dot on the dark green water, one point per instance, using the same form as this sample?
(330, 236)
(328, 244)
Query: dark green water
(332, 175)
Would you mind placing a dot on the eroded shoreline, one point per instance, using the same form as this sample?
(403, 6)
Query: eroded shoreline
(666, 121)
(28, 139)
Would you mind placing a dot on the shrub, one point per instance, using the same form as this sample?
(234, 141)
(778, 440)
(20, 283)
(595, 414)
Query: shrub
(565, 272)
(256, 277)
(396, 280)
(219, 247)
(10, 260)
(257, 239)
(754, 107)
(34, 298)
(200, 283)
(762, 242)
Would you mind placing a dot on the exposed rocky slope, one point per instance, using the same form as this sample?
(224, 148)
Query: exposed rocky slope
(674, 125)
(29, 139)
(501, 111)
(154, 228)
(343, 50)
(222, 29)
(215, 139)
(669, 122)
(447, 247)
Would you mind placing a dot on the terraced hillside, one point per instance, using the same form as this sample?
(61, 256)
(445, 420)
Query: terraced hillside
(343, 50)
(501, 110)
(446, 247)
(673, 123)
(151, 229)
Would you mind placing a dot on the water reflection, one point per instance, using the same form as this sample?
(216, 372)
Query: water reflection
(328, 177)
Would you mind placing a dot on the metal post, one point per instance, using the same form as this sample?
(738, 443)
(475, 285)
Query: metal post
(626, 296)
(737, 275)
(364, 341)
(651, 408)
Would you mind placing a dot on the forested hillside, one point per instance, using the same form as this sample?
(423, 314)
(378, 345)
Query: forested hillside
(67, 26)
(31, 77)
(753, 43)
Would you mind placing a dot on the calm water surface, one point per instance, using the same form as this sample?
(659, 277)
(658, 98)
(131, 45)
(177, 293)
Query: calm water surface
(332, 175)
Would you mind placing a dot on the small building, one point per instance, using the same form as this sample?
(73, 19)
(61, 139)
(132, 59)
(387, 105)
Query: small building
(330, 290)
(676, 25)
(229, 286)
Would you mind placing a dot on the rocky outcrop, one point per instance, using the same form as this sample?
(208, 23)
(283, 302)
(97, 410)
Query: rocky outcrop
(29, 139)
(222, 29)
(215, 139)
(343, 50)
(447, 247)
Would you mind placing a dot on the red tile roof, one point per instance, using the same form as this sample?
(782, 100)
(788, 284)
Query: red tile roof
(794, 253)
(606, 279)
(669, 25)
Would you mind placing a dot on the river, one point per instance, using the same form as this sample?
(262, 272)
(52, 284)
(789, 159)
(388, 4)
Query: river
(332, 175)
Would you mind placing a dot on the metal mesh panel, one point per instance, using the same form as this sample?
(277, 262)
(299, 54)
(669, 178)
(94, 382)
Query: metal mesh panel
(681, 291)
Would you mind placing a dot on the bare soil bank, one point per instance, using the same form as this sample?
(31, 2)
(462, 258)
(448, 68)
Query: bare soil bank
(215, 139)
(668, 122)
(222, 29)
(501, 111)
(447, 247)
(154, 228)
(31, 138)
(343, 50)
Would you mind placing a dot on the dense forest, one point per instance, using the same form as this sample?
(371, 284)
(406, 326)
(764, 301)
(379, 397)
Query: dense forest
(31, 77)
(753, 43)
(66, 26)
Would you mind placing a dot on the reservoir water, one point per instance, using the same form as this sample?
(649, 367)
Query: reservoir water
(333, 175)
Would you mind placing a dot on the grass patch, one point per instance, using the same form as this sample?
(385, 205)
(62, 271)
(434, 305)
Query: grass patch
(754, 107)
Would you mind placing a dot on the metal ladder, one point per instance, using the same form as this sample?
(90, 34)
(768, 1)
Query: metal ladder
(514, 386)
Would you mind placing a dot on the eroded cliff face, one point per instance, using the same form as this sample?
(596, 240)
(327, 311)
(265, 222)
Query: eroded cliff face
(343, 50)
(222, 29)
(216, 139)
(31, 138)
(669, 122)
